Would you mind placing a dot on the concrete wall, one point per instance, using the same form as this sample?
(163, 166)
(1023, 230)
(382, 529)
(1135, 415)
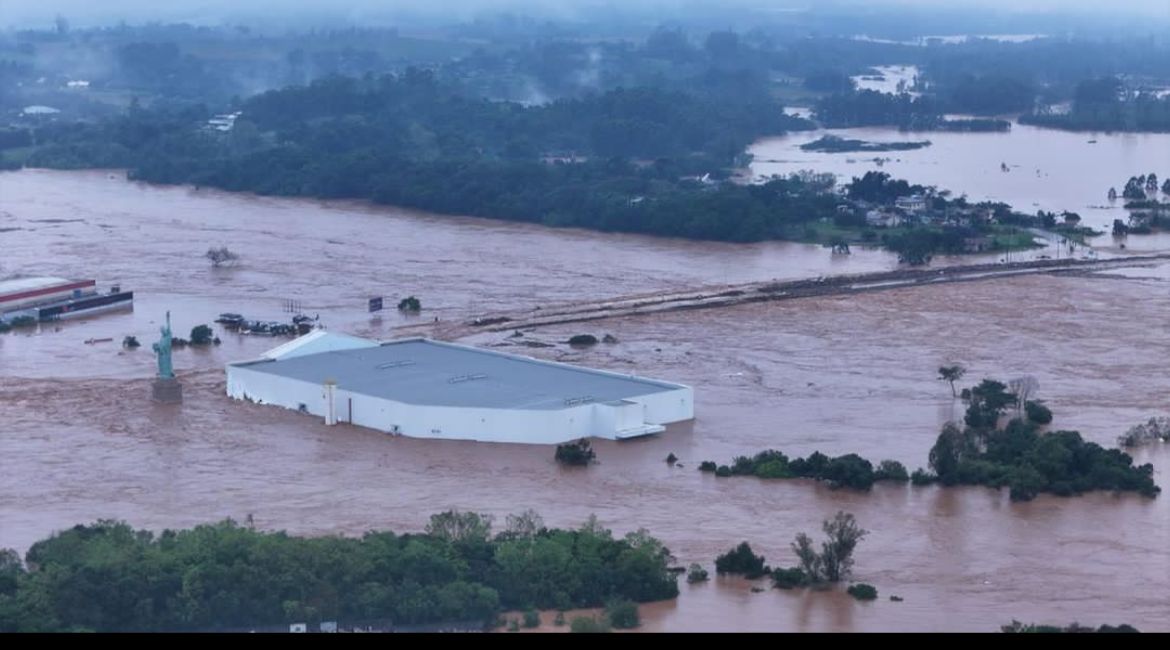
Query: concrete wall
(463, 423)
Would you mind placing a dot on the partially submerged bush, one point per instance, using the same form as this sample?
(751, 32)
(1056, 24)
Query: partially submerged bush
(575, 453)
(531, 619)
(696, 573)
(622, 614)
(922, 477)
(741, 560)
(409, 303)
(789, 578)
(1037, 412)
(891, 470)
(201, 335)
(862, 591)
(588, 625)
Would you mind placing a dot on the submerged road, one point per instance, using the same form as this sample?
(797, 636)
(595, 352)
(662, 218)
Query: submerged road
(730, 295)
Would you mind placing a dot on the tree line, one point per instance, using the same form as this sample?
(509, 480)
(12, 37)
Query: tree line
(111, 577)
(999, 444)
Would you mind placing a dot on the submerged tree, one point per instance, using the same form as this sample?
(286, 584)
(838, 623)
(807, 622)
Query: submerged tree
(220, 256)
(951, 374)
(833, 563)
(837, 553)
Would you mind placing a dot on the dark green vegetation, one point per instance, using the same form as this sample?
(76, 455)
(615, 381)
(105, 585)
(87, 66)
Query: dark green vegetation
(696, 573)
(1018, 627)
(741, 560)
(531, 618)
(1146, 213)
(645, 147)
(130, 342)
(872, 108)
(110, 577)
(201, 335)
(575, 453)
(863, 591)
(409, 304)
(1017, 455)
(642, 160)
(951, 374)
(1037, 413)
(622, 614)
(1108, 104)
(588, 625)
(583, 340)
(833, 563)
(982, 452)
(850, 470)
(835, 144)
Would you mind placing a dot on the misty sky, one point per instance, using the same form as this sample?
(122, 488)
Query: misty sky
(40, 13)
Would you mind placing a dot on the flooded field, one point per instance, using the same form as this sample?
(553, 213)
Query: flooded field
(1047, 169)
(81, 440)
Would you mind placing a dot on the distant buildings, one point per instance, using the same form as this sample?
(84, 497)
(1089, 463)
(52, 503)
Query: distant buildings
(223, 123)
(914, 203)
(40, 110)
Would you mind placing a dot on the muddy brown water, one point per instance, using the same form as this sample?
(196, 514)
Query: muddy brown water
(81, 441)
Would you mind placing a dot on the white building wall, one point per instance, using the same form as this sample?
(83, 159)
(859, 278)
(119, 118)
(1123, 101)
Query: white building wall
(264, 388)
(669, 406)
(551, 426)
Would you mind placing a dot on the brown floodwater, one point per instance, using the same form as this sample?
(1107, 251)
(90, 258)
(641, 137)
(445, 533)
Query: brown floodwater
(81, 441)
(1048, 169)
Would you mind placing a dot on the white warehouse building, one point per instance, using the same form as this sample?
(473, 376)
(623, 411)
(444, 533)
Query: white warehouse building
(429, 389)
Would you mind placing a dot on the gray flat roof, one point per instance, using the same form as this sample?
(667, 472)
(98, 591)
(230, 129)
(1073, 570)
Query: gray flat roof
(421, 371)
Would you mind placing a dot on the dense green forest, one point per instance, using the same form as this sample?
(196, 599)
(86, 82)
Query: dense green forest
(110, 577)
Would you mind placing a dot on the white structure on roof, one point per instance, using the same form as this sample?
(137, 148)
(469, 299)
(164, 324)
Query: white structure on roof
(430, 389)
(316, 342)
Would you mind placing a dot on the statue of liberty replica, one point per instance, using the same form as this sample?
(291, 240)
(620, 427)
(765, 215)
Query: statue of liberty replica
(166, 388)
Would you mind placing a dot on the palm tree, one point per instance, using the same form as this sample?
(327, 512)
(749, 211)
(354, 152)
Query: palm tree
(952, 374)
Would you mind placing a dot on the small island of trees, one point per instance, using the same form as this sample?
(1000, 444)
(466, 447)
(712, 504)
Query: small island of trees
(1017, 455)
(988, 448)
(833, 563)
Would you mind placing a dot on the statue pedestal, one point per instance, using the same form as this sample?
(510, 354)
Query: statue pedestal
(167, 390)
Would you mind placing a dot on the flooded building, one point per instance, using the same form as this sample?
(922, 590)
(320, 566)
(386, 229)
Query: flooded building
(429, 389)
